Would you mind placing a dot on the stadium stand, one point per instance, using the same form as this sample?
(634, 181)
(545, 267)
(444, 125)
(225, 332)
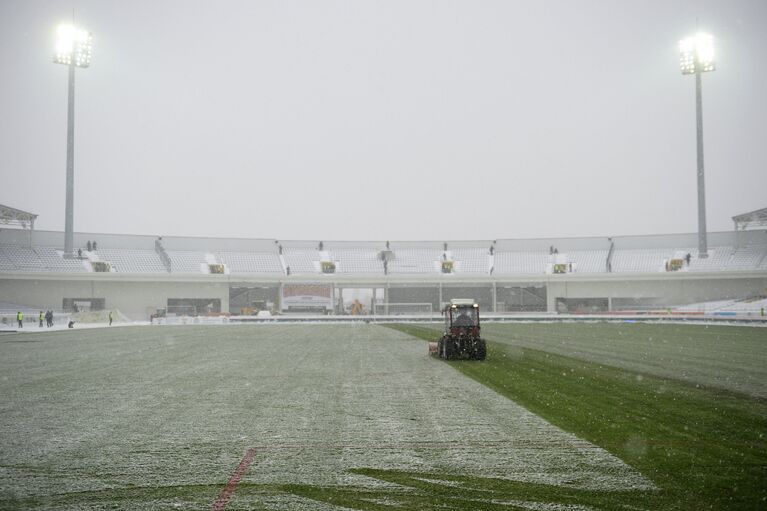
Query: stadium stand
(748, 257)
(589, 261)
(521, 262)
(185, 261)
(415, 260)
(366, 260)
(705, 306)
(38, 259)
(251, 262)
(744, 252)
(131, 260)
(5, 263)
(53, 261)
(357, 260)
(23, 258)
(301, 260)
(641, 260)
(717, 260)
(471, 260)
(753, 305)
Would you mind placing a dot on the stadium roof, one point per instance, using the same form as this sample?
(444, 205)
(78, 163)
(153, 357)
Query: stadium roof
(751, 220)
(13, 216)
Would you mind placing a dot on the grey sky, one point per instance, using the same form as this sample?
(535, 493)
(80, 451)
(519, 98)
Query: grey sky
(384, 120)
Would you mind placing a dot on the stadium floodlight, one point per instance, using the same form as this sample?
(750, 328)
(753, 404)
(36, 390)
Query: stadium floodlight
(73, 49)
(73, 46)
(697, 53)
(697, 57)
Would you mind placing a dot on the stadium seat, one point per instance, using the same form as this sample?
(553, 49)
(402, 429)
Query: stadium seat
(251, 262)
(471, 260)
(524, 262)
(588, 261)
(301, 260)
(132, 260)
(357, 260)
(185, 261)
(415, 260)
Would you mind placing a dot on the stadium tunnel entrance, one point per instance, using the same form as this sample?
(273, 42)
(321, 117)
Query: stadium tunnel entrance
(249, 299)
(83, 304)
(521, 298)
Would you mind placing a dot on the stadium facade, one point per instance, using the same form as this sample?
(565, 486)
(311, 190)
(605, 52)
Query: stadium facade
(192, 275)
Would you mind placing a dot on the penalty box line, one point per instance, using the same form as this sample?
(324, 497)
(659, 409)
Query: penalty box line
(234, 481)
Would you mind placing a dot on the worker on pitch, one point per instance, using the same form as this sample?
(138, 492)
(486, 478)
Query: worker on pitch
(41, 319)
(110, 318)
(20, 319)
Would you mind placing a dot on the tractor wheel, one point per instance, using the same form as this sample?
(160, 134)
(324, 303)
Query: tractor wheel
(480, 352)
(448, 349)
(440, 347)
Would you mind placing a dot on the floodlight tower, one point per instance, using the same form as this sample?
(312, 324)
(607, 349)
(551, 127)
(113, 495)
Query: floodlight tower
(697, 57)
(73, 49)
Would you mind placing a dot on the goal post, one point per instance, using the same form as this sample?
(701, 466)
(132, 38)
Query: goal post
(403, 309)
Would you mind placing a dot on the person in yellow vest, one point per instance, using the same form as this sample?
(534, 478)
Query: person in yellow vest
(41, 319)
(20, 319)
(110, 318)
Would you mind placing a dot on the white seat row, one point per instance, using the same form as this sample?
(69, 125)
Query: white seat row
(132, 260)
(471, 260)
(588, 261)
(25, 259)
(641, 259)
(184, 261)
(53, 260)
(251, 262)
(300, 260)
(406, 260)
(357, 260)
(521, 262)
(415, 260)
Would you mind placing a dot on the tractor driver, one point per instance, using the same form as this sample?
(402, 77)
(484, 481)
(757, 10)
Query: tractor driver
(464, 319)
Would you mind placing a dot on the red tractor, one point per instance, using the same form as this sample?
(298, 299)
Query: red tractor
(461, 339)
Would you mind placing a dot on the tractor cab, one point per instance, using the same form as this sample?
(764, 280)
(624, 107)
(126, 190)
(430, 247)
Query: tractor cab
(461, 338)
(462, 317)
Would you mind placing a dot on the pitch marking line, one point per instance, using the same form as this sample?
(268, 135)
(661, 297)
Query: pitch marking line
(227, 492)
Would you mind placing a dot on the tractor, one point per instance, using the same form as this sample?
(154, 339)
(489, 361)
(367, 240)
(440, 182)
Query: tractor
(461, 339)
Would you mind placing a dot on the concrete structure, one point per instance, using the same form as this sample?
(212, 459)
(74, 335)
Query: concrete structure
(599, 274)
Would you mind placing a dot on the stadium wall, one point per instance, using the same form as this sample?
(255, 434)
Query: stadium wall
(139, 295)
(136, 299)
(657, 291)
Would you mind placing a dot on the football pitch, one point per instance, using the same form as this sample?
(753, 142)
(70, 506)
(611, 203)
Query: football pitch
(358, 416)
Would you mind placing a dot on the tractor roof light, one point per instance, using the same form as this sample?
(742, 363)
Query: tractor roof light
(73, 46)
(697, 54)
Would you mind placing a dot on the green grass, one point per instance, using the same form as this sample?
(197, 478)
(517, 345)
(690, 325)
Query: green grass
(704, 447)
(733, 358)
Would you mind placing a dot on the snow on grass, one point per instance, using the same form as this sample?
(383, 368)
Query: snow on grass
(109, 410)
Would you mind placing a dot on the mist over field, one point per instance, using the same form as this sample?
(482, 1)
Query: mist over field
(374, 120)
